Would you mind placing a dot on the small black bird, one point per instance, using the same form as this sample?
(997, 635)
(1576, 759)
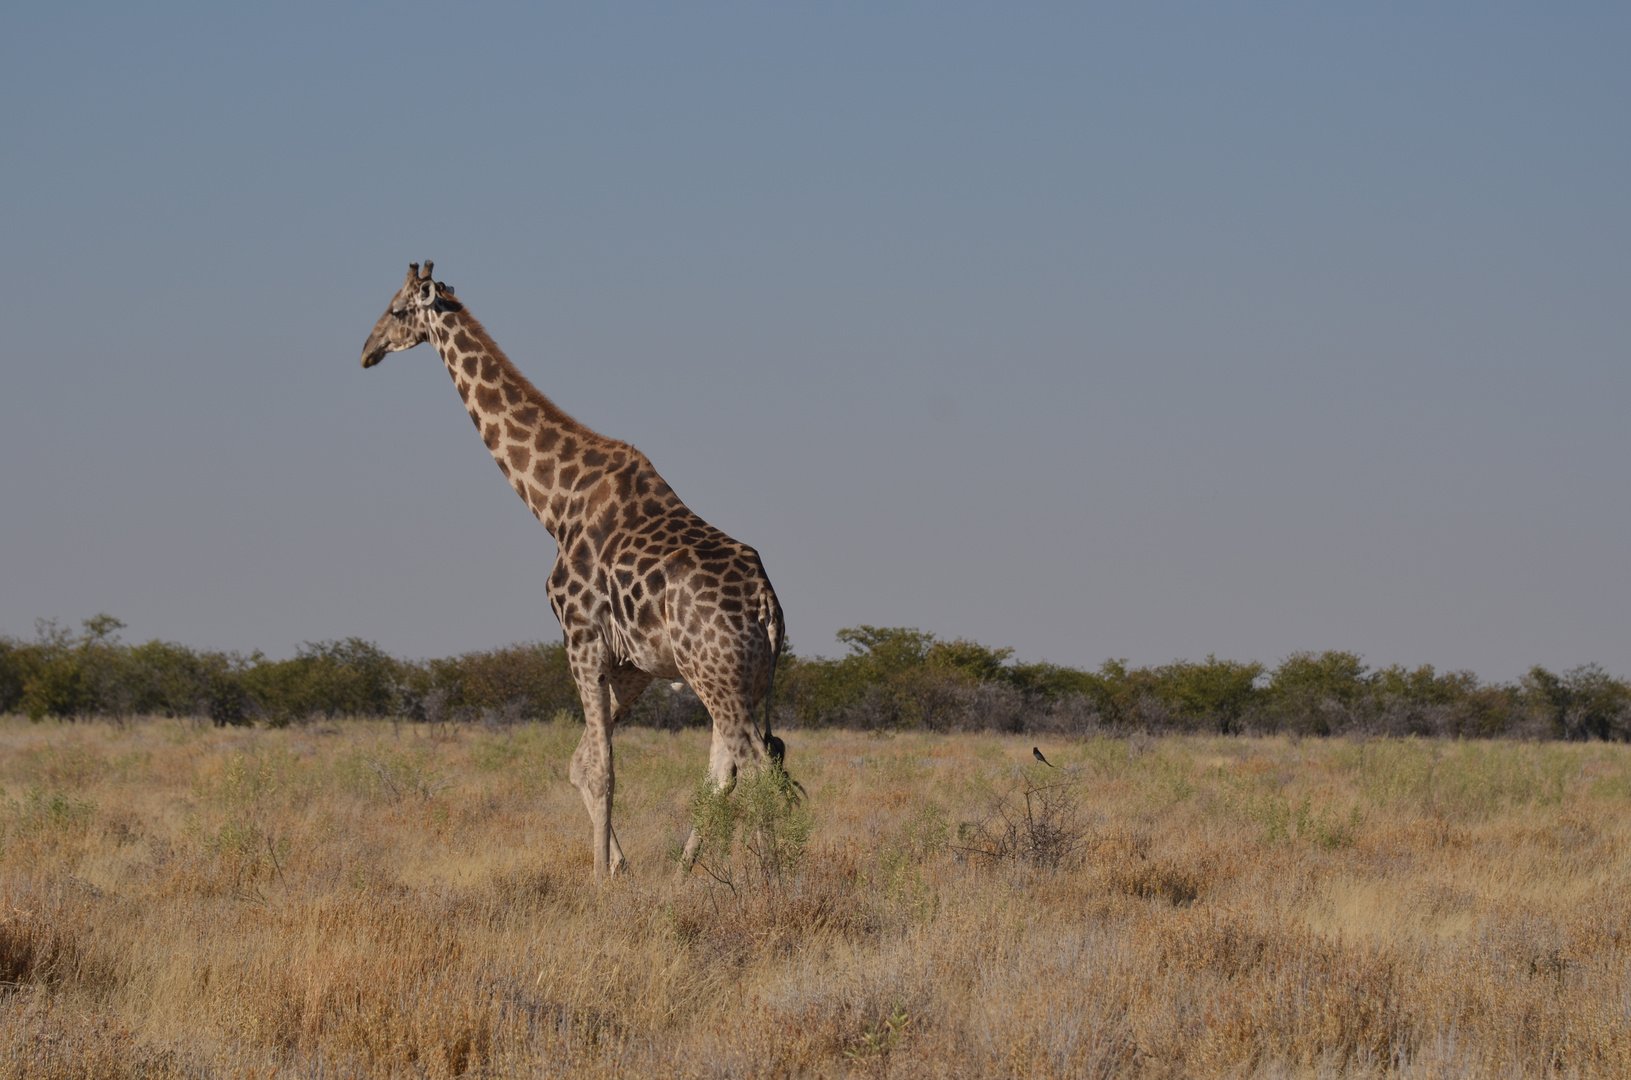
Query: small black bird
(1036, 752)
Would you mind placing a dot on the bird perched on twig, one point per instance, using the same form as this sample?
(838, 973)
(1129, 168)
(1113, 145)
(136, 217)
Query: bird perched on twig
(1036, 752)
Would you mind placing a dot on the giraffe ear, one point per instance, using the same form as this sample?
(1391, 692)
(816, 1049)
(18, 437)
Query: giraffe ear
(442, 298)
(425, 293)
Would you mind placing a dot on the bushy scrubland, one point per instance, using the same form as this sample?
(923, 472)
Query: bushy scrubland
(382, 899)
(890, 678)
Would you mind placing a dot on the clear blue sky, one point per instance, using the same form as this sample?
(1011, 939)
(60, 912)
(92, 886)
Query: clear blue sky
(1145, 331)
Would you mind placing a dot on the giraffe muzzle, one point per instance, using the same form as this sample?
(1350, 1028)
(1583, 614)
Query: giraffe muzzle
(374, 351)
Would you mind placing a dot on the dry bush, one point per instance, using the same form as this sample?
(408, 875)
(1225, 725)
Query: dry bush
(373, 900)
(1034, 822)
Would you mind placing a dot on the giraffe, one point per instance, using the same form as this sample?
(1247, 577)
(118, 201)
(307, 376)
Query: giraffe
(642, 586)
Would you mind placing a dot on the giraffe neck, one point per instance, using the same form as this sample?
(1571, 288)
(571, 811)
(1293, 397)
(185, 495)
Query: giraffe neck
(548, 457)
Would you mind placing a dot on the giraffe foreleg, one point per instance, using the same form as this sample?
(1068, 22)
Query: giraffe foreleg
(625, 684)
(592, 770)
(591, 774)
(607, 691)
(597, 799)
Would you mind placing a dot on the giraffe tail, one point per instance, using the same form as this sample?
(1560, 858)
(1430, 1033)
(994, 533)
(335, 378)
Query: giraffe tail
(770, 619)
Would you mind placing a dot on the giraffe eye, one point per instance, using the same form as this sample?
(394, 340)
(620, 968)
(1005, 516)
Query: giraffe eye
(403, 314)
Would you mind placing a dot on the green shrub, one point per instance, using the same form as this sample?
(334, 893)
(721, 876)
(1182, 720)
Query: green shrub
(755, 831)
(41, 810)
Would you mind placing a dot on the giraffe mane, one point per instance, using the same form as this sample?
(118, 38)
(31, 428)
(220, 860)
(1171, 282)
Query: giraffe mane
(535, 396)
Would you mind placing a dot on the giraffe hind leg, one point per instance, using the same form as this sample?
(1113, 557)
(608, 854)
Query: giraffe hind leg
(735, 749)
(722, 770)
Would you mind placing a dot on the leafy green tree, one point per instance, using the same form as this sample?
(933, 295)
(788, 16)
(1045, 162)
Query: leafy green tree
(228, 701)
(1422, 701)
(531, 681)
(974, 662)
(1050, 682)
(1337, 675)
(1217, 693)
(1423, 685)
(56, 685)
(891, 677)
(349, 677)
(1122, 694)
(18, 663)
(167, 679)
(1307, 688)
(1582, 703)
(1488, 711)
(537, 676)
(887, 650)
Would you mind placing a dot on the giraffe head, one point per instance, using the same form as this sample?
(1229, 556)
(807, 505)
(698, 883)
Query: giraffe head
(405, 322)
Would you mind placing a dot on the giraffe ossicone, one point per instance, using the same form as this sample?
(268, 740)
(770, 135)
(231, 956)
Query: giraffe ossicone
(642, 586)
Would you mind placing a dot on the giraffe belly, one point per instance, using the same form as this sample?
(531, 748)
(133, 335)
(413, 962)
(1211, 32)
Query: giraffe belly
(644, 642)
(653, 658)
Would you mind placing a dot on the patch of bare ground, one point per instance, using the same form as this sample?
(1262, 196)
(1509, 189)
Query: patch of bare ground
(374, 900)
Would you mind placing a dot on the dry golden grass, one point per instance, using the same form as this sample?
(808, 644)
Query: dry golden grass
(374, 900)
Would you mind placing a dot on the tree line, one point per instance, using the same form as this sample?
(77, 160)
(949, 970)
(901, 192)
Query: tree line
(889, 678)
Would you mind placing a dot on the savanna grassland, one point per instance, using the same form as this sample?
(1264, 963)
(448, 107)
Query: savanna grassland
(370, 899)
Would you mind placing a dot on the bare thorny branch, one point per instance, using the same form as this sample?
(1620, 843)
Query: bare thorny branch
(1039, 824)
(425, 787)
